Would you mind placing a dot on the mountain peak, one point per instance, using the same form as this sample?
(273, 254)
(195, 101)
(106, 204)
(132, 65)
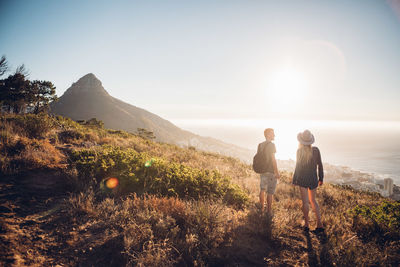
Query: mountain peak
(89, 76)
(88, 83)
(89, 80)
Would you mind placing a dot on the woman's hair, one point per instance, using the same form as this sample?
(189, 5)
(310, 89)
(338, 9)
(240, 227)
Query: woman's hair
(304, 154)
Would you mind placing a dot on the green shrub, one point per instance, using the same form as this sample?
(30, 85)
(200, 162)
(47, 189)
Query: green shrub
(382, 221)
(35, 126)
(67, 123)
(139, 173)
(119, 133)
(70, 135)
(93, 122)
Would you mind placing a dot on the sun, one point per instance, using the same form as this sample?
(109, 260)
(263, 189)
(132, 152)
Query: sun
(286, 90)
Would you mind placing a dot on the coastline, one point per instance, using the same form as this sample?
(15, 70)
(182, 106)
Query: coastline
(346, 176)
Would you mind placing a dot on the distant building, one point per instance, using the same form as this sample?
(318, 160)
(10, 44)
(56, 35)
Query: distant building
(388, 186)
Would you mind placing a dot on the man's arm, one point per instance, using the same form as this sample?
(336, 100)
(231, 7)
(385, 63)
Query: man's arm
(275, 166)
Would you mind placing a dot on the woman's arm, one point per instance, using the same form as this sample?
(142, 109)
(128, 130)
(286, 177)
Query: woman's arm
(320, 166)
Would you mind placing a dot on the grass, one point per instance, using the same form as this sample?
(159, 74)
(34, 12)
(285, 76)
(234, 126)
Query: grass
(177, 210)
(210, 233)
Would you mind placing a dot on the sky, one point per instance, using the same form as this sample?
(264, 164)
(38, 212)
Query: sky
(220, 60)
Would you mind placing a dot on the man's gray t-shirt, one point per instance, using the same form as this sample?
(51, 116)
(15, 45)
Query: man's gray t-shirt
(269, 149)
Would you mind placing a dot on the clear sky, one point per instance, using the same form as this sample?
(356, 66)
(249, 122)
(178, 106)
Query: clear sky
(218, 59)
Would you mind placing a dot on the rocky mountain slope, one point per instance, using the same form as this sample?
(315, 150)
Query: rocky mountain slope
(88, 99)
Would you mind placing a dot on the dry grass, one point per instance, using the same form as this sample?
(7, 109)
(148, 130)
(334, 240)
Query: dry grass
(340, 246)
(22, 153)
(154, 231)
(169, 231)
(19, 151)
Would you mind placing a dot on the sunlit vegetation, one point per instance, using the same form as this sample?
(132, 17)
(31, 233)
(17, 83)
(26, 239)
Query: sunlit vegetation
(380, 222)
(142, 203)
(141, 174)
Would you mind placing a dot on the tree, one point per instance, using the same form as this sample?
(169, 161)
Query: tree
(20, 95)
(3, 69)
(21, 69)
(146, 134)
(3, 65)
(40, 94)
(14, 92)
(95, 123)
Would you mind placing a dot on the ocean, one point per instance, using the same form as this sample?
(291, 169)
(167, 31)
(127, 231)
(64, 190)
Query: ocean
(368, 146)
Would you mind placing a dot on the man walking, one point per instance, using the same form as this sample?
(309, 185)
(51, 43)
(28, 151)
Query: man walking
(268, 179)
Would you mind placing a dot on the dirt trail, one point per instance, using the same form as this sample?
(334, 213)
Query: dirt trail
(26, 212)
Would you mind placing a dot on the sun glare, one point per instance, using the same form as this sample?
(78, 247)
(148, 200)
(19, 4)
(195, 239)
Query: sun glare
(287, 88)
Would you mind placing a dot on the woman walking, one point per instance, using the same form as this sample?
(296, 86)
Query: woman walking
(308, 161)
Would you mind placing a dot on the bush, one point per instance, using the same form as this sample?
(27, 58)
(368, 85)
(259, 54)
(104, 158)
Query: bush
(139, 173)
(68, 136)
(28, 154)
(381, 222)
(93, 122)
(65, 123)
(7, 135)
(119, 133)
(35, 126)
(91, 137)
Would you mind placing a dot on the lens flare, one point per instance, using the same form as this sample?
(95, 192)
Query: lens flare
(112, 183)
(149, 163)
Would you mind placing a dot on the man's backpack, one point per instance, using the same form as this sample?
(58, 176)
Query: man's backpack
(260, 161)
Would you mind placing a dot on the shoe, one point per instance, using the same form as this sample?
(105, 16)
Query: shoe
(318, 230)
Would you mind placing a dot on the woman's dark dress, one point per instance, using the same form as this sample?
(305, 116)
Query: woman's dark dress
(306, 175)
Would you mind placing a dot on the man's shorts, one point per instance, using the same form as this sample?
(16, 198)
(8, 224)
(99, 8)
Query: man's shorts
(268, 182)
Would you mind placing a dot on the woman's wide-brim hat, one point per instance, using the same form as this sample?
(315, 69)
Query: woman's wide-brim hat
(306, 138)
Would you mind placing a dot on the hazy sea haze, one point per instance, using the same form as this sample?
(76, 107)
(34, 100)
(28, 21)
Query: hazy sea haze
(367, 146)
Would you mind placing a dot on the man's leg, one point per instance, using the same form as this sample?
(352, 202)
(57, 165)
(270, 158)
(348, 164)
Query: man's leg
(269, 203)
(270, 192)
(262, 199)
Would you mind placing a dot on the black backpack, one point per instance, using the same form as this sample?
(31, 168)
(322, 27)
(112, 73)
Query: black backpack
(260, 161)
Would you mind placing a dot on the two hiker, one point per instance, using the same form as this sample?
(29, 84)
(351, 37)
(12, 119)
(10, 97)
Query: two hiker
(308, 162)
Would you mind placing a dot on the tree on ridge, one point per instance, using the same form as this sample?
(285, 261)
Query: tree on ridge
(20, 95)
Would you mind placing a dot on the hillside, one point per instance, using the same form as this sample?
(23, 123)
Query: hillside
(88, 99)
(171, 206)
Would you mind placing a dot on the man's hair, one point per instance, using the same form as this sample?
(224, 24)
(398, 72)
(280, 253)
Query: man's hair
(268, 130)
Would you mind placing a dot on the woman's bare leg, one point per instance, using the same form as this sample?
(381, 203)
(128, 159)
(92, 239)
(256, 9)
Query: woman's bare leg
(314, 205)
(306, 207)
